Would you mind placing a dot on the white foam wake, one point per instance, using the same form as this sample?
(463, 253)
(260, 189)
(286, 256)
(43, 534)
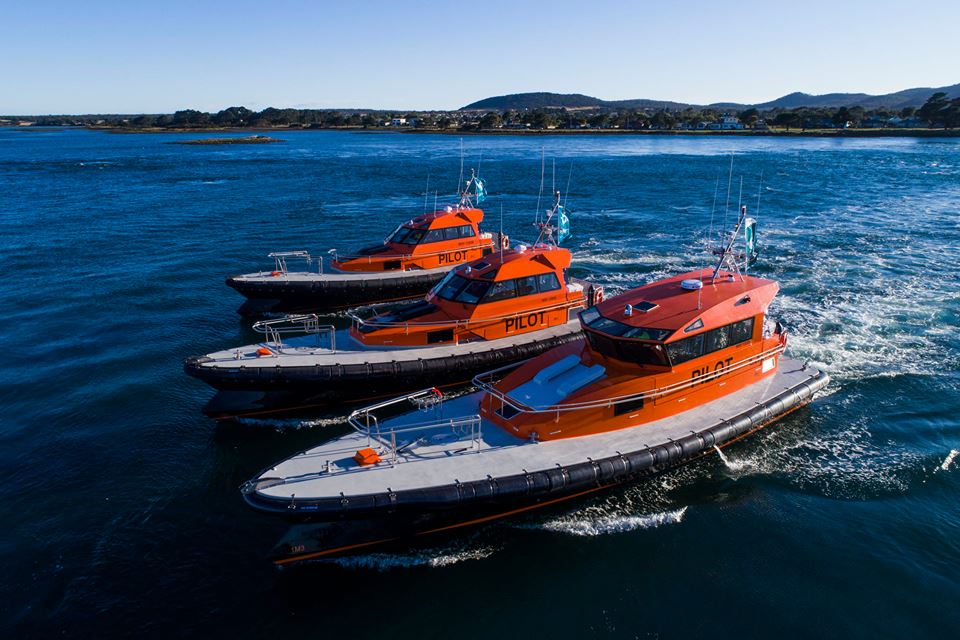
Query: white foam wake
(579, 526)
(427, 558)
(282, 424)
(949, 459)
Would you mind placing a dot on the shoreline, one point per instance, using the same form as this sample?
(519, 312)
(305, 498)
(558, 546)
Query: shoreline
(779, 133)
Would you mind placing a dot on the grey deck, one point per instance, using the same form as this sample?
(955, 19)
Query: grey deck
(306, 352)
(499, 454)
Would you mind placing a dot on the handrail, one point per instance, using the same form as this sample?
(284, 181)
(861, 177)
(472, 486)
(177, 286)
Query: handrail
(457, 323)
(365, 422)
(297, 324)
(483, 381)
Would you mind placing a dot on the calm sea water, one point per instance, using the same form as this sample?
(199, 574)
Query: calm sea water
(120, 511)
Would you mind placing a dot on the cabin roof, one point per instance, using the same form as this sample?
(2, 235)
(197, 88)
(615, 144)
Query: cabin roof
(513, 263)
(449, 217)
(677, 308)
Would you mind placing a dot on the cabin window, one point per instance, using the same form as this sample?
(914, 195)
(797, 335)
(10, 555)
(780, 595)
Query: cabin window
(400, 234)
(717, 339)
(451, 233)
(642, 353)
(434, 235)
(502, 290)
(686, 349)
(602, 345)
(693, 327)
(548, 282)
(413, 237)
(466, 231)
(472, 293)
(527, 286)
(742, 331)
(627, 407)
(614, 328)
(443, 335)
(451, 286)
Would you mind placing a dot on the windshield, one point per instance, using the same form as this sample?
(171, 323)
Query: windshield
(456, 288)
(407, 235)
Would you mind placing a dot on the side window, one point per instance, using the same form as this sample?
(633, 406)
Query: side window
(742, 331)
(466, 231)
(501, 291)
(436, 235)
(548, 282)
(686, 349)
(414, 237)
(526, 286)
(718, 339)
(451, 233)
(472, 293)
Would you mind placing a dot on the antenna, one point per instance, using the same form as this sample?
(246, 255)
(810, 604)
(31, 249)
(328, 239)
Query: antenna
(540, 195)
(726, 208)
(566, 192)
(501, 233)
(426, 193)
(434, 200)
(460, 181)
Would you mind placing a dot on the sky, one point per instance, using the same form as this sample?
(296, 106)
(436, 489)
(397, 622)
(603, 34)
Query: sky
(158, 57)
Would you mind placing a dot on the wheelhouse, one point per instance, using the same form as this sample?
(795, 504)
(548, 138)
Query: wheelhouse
(443, 238)
(503, 294)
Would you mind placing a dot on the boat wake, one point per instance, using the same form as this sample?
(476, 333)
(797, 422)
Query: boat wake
(848, 464)
(432, 558)
(287, 424)
(591, 527)
(945, 466)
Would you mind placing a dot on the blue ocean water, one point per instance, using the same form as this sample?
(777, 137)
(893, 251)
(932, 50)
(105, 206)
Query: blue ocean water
(120, 510)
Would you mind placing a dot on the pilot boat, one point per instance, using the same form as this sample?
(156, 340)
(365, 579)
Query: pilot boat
(404, 266)
(499, 309)
(667, 373)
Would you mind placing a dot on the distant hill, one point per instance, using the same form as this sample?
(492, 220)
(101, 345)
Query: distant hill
(545, 100)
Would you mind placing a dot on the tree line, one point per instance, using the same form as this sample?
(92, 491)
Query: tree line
(938, 111)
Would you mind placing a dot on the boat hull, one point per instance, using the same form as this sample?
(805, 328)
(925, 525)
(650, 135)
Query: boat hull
(549, 483)
(362, 376)
(361, 523)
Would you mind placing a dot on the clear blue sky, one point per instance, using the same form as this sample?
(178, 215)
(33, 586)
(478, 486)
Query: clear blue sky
(159, 56)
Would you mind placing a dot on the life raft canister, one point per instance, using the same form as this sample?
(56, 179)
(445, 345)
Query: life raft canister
(366, 457)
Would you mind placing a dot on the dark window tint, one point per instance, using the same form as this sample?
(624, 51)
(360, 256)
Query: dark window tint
(693, 327)
(436, 235)
(718, 339)
(526, 286)
(451, 286)
(466, 231)
(627, 407)
(451, 233)
(548, 282)
(686, 349)
(602, 345)
(641, 353)
(413, 237)
(742, 331)
(472, 293)
(501, 291)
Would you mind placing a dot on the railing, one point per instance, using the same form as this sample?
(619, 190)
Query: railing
(486, 382)
(280, 260)
(469, 324)
(463, 429)
(296, 325)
